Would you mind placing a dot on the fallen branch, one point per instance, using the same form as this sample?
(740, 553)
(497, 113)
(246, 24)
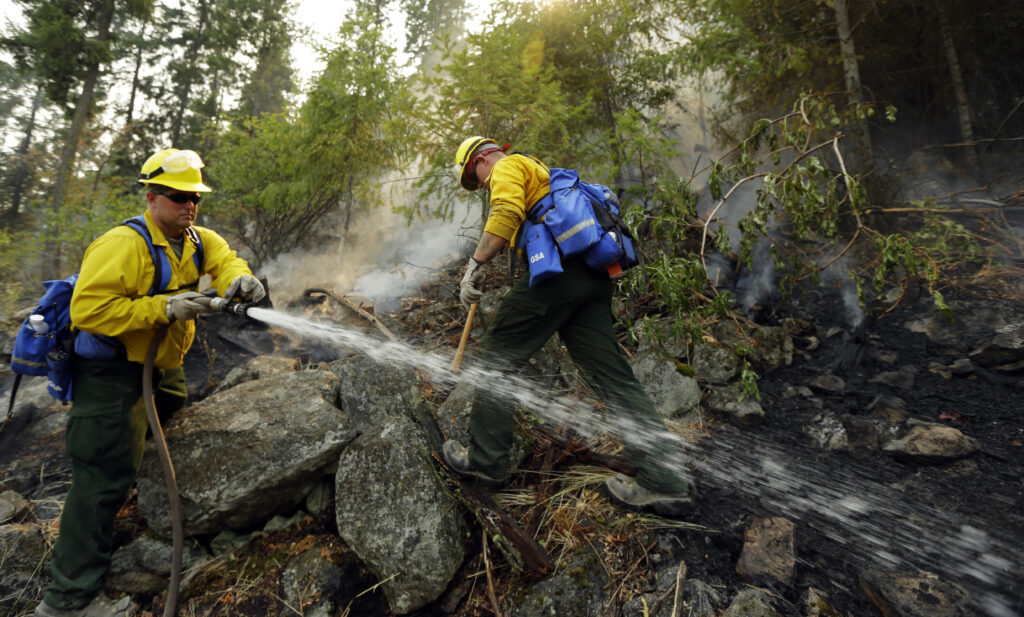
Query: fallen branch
(521, 550)
(355, 307)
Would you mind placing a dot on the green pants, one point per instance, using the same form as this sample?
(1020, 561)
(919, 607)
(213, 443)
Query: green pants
(105, 436)
(577, 305)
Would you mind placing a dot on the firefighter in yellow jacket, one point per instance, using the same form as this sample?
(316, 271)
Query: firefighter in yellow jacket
(577, 305)
(116, 316)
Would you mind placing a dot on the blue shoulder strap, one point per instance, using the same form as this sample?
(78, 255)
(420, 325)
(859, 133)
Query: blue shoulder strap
(161, 265)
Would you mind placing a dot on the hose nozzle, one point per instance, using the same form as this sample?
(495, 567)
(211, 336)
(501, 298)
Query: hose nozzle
(227, 306)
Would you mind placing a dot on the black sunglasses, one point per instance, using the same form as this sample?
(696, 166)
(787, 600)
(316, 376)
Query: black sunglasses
(183, 198)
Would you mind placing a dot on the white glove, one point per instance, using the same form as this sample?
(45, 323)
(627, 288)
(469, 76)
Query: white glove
(469, 289)
(247, 287)
(187, 305)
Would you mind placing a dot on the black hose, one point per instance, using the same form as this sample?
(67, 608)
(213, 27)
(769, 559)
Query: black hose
(171, 604)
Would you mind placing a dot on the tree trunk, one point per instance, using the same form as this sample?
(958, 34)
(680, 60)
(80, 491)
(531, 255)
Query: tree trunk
(865, 162)
(956, 80)
(183, 92)
(52, 245)
(130, 112)
(21, 174)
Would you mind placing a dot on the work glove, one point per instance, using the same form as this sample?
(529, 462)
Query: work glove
(247, 287)
(187, 305)
(470, 290)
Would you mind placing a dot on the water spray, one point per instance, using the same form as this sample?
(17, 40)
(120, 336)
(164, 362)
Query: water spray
(857, 512)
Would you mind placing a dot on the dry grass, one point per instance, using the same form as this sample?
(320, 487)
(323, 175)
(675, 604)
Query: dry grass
(577, 516)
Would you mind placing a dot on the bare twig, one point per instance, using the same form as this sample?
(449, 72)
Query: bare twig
(847, 178)
(490, 581)
(680, 579)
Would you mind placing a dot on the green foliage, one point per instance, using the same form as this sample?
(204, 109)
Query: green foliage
(947, 241)
(676, 204)
(579, 84)
(748, 381)
(280, 174)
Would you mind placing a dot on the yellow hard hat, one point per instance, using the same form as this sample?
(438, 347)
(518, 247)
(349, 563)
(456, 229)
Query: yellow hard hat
(465, 154)
(178, 169)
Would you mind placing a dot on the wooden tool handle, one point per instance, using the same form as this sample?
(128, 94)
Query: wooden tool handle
(457, 361)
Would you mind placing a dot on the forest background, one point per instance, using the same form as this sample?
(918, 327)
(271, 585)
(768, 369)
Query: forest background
(804, 114)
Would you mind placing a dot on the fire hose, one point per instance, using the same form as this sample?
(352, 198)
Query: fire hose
(171, 604)
(170, 480)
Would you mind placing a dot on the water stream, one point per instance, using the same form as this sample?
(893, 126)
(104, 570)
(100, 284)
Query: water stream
(875, 524)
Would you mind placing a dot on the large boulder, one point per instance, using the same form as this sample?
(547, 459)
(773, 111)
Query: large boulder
(370, 392)
(392, 510)
(245, 454)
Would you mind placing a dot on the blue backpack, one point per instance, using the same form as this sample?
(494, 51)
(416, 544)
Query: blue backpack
(576, 218)
(46, 340)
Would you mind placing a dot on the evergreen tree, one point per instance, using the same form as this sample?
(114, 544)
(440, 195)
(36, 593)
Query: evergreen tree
(67, 44)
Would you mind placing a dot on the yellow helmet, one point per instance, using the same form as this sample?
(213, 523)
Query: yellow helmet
(178, 169)
(463, 156)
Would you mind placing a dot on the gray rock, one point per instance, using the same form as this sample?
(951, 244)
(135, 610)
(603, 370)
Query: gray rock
(828, 432)
(715, 363)
(700, 599)
(672, 393)
(1006, 347)
(24, 554)
(260, 367)
(726, 400)
(248, 453)
(35, 415)
(829, 384)
(656, 336)
(862, 434)
(12, 506)
(309, 582)
(319, 497)
(453, 413)
(818, 606)
(768, 551)
(228, 540)
(773, 347)
(577, 589)
(892, 409)
(915, 594)
(962, 366)
(281, 522)
(370, 392)
(902, 378)
(143, 566)
(929, 442)
(392, 510)
(750, 603)
(697, 599)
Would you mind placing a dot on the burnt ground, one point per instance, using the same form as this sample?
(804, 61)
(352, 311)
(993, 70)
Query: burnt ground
(983, 490)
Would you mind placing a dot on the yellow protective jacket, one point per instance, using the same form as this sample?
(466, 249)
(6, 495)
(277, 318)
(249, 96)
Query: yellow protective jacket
(110, 296)
(517, 182)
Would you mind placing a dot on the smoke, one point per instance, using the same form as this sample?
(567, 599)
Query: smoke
(837, 275)
(382, 257)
